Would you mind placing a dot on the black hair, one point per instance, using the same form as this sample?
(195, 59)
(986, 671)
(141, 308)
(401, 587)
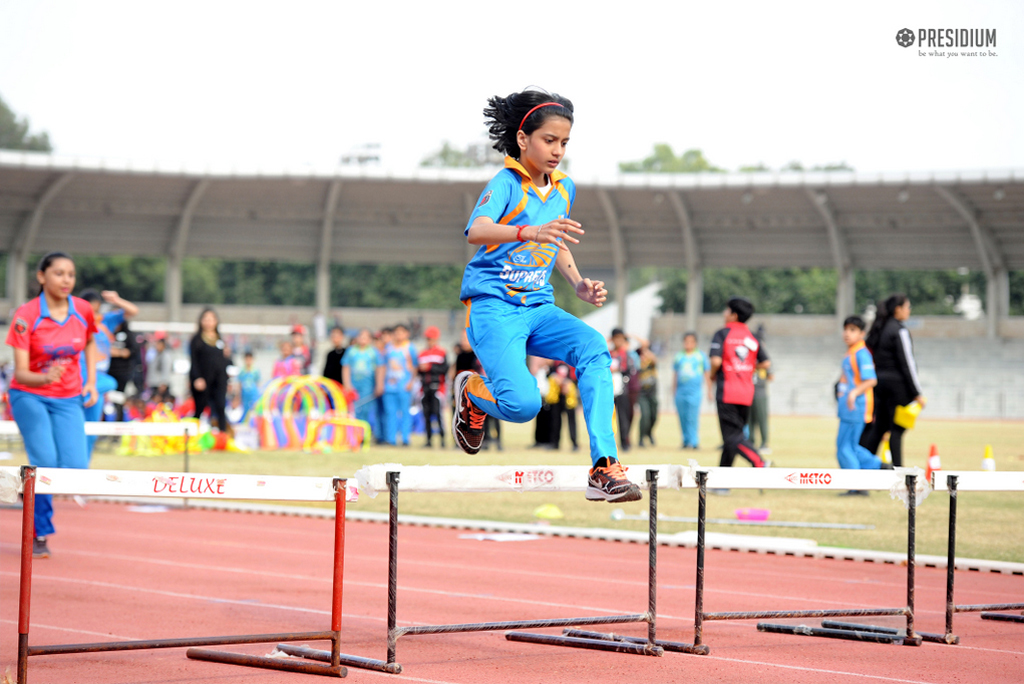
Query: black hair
(47, 261)
(338, 328)
(90, 295)
(199, 321)
(403, 326)
(855, 321)
(742, 307)
(504, 116)
(883, 312)
(689, 333)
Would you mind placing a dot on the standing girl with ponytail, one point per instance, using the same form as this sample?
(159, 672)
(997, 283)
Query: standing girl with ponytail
(47, 334)
(522, 228)
(898, 384)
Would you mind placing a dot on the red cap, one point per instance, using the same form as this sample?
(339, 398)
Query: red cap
(298, 330)
(159, 335)
(432, 333)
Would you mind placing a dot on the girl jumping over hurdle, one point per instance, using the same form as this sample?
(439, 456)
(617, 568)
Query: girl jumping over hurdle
(47, 334)
(521, 224)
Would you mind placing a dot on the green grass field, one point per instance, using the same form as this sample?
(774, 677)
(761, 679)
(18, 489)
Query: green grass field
(985, 528)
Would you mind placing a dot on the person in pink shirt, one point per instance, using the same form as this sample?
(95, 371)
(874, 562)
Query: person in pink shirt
(48, 333)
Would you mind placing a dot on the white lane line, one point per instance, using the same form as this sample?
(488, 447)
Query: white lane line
(36, 625)
(817, 669)
(372, 585)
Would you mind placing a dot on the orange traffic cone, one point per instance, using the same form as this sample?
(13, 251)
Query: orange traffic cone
(934, 464)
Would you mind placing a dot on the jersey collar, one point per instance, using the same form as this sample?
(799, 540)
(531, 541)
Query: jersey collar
(511, 163)
(44, 311)
(857, 347)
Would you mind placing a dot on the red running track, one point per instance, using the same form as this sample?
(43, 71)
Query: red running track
(117, 574)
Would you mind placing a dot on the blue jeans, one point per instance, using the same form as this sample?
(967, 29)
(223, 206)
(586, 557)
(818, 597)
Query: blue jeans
(54, 434)
(502, 334)
(688, 408)
(849, 452)
(397, 416)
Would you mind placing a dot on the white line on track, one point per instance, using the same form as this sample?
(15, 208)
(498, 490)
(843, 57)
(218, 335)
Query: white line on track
(36, 625)
(818, 669)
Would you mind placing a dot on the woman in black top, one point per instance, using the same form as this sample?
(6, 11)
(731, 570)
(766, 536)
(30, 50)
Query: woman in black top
(898, 384)
(209, 373)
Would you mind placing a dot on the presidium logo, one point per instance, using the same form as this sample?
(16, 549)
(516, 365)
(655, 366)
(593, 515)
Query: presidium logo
(948, 38)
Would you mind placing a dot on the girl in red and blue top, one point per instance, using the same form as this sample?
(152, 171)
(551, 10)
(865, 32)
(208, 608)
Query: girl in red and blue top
(47, 334)
(522, 228)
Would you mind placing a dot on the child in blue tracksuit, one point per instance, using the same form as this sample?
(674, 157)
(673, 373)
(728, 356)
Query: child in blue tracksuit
(521, 225)
(856, 400)
(691, 368)
(400, 361)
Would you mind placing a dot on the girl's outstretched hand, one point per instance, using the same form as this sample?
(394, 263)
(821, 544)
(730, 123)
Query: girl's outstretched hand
(557, 232)
(591, 291)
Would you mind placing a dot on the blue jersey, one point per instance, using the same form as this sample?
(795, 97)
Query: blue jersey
(113, 318)
(690, 369)
(858, 366)
(362, 365)
(517, 272)
(401, 363)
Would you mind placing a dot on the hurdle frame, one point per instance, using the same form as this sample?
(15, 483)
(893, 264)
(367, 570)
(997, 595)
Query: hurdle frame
(953, 487)
(336, 663)
(834, 630)
(650, 646)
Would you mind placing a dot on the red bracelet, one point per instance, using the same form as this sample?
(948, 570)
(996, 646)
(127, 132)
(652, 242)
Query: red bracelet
(519, 233)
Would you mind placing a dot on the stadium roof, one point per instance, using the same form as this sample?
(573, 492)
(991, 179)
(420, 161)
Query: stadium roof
(843, 220)
(887, 221)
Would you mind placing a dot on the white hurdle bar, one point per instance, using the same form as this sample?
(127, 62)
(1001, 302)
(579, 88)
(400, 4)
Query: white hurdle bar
(200, 485)
(907, 483)
(957, 481)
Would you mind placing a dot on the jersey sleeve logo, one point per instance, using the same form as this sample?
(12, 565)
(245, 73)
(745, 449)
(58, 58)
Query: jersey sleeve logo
(20, 326)
(485, 199)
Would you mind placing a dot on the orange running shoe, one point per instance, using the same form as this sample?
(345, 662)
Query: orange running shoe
(468, 420)
(610, 484)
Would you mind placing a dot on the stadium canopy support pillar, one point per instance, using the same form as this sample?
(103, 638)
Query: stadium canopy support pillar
(619, 257)
(176, 251)
(694, 297)
(846, 292)
(990, 254)
(694, 262)
(23, 241)
(323, 263)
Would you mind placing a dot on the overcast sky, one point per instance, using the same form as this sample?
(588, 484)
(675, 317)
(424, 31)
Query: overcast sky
(301, 83)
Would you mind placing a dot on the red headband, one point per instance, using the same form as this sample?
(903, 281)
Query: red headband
(545, 104)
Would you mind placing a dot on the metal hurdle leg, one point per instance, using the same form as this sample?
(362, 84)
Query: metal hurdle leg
(951, 607)
(28, 512)
(857, 632)
(652, 588)
(605, 643)
(613, 642)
